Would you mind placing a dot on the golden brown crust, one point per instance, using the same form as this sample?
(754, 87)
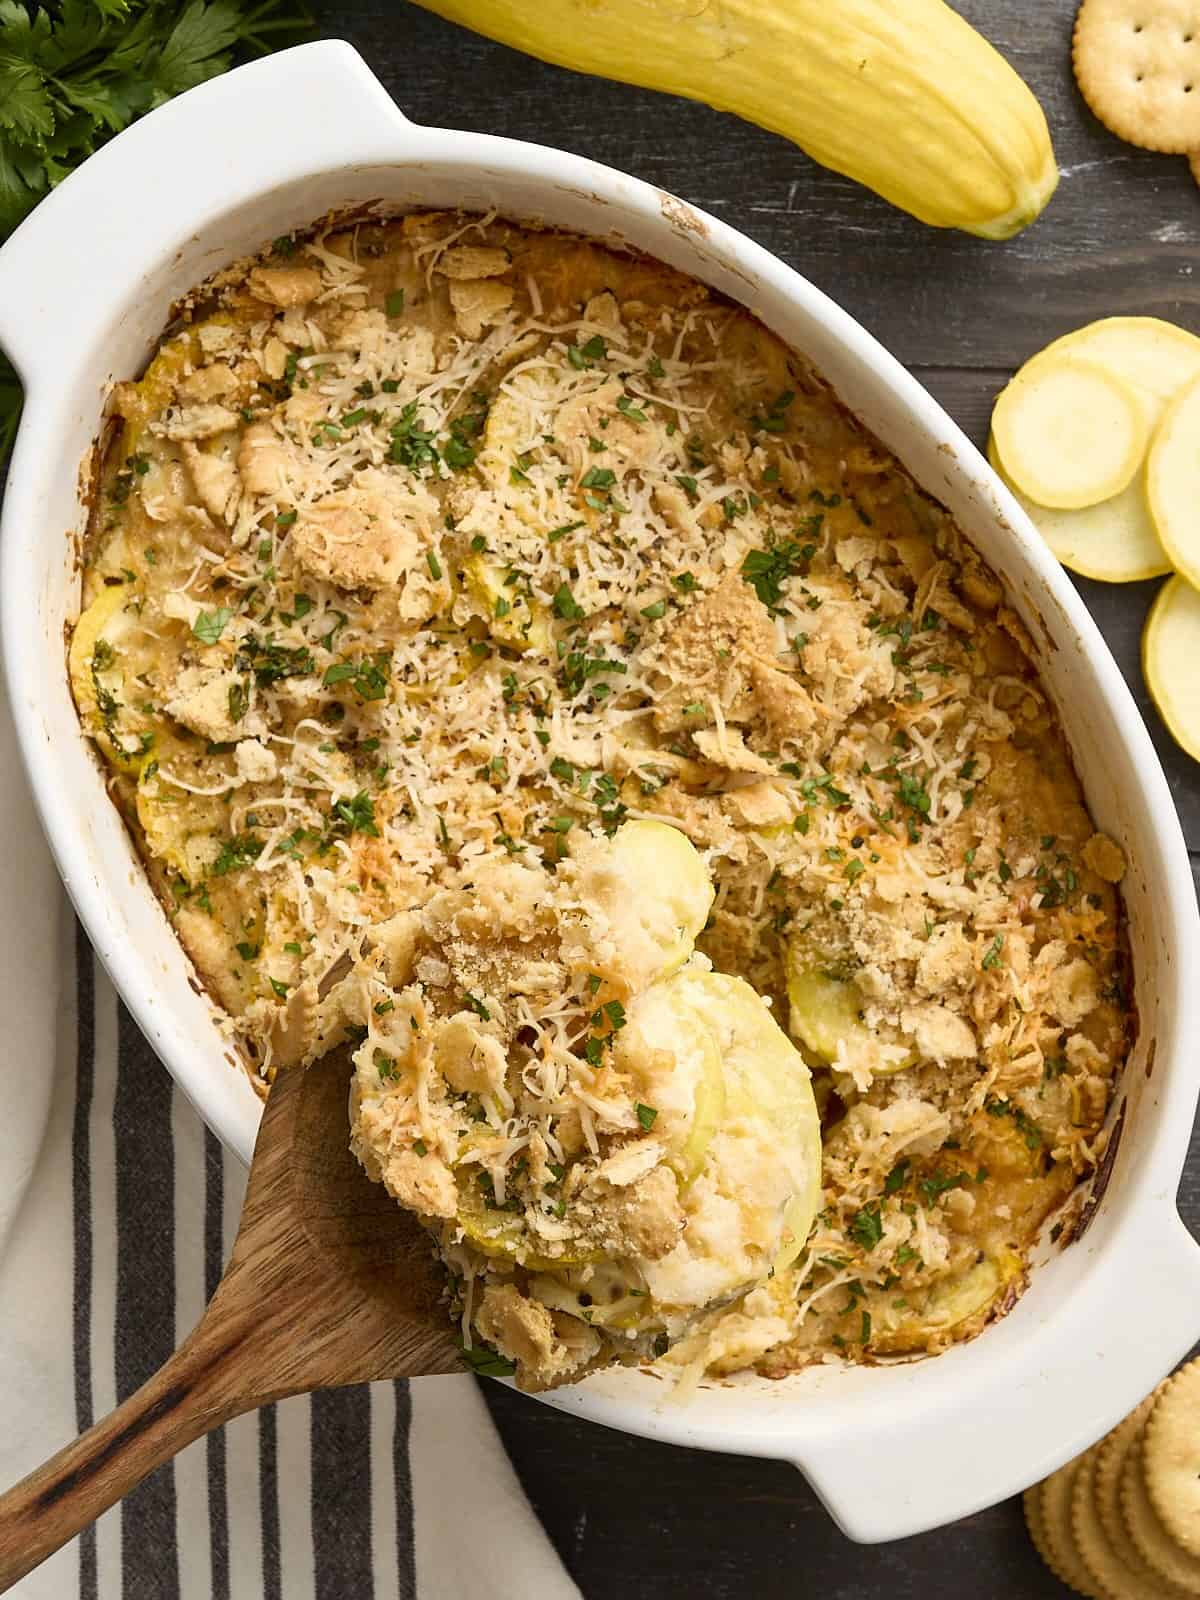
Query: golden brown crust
(478, 591)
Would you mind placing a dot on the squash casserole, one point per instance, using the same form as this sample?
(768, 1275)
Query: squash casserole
(516, 668)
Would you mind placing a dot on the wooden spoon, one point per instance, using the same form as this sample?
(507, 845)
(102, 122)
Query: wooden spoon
(329, 1283)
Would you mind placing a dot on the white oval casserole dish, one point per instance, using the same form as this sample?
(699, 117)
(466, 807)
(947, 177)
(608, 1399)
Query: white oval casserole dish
(85, 288)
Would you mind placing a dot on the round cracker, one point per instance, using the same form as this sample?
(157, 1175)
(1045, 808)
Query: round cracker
(1154, 1544)
(1106, 1489)
(1137, 63)
(1050, 1528)
(1171, 1458)
(1194, 163)
(1111, 1574)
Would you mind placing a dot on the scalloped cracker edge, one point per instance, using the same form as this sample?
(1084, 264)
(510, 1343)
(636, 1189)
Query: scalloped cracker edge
(1048, 1517)
(1171, 1458)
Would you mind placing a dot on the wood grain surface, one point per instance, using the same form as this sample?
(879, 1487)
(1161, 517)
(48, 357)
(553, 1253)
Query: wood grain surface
(1122, 236)
(329, 1283)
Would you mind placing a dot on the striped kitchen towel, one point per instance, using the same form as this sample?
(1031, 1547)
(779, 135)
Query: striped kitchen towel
(117, 1209)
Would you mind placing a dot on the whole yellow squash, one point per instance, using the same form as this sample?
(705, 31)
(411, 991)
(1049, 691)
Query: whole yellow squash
(902, 95)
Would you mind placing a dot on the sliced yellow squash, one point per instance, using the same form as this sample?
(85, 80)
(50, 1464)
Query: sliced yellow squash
(690, 1098)
(502, 1234)
(138, 403)
(708, 1112)
(1173, 482)
(646, 893)
(1114, 542)
(98, 678)
(604, 1295)
(732, 1102)
(1070, 433)
(767, 1080)
(949, 1304)
(513, 618)
(1170, 655)
(826, 1012)
(660, 862)
(1155, 358)
(183, 829)
(762, 1161)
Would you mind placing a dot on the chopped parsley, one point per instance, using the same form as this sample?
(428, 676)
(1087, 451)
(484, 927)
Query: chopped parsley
(821, 787)
(238, 851)
(897, 1177)
(412, 446)
(210, 625)
(269, 661)
(866, 1226)
(937, 1184)
(775, 420)
(913, 794)
(368, 676)
(578, 670)
(769, 568)
(355, 816)
(485, 1362)
(556, 534)
(992, 957)
(566, 606)
(1025, 1125)
(586, 355)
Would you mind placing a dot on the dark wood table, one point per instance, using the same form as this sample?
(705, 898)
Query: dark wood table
(632, 1518)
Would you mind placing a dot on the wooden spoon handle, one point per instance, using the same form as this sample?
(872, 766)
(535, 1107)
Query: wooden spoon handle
(74, 1487)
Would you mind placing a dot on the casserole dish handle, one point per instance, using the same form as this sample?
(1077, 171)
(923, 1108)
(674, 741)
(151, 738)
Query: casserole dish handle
(966, 1451)
(154, 188)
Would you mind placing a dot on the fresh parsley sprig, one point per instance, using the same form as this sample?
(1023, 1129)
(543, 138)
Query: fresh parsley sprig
(75, 72)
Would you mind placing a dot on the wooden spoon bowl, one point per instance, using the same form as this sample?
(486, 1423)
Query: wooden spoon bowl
(329, 1283)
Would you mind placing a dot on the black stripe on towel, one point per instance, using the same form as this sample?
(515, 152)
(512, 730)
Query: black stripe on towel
(214, 1262)
(145, 1313)
(85, 1061)
(406, 1557)
(341, 1493)
(268, 1488)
